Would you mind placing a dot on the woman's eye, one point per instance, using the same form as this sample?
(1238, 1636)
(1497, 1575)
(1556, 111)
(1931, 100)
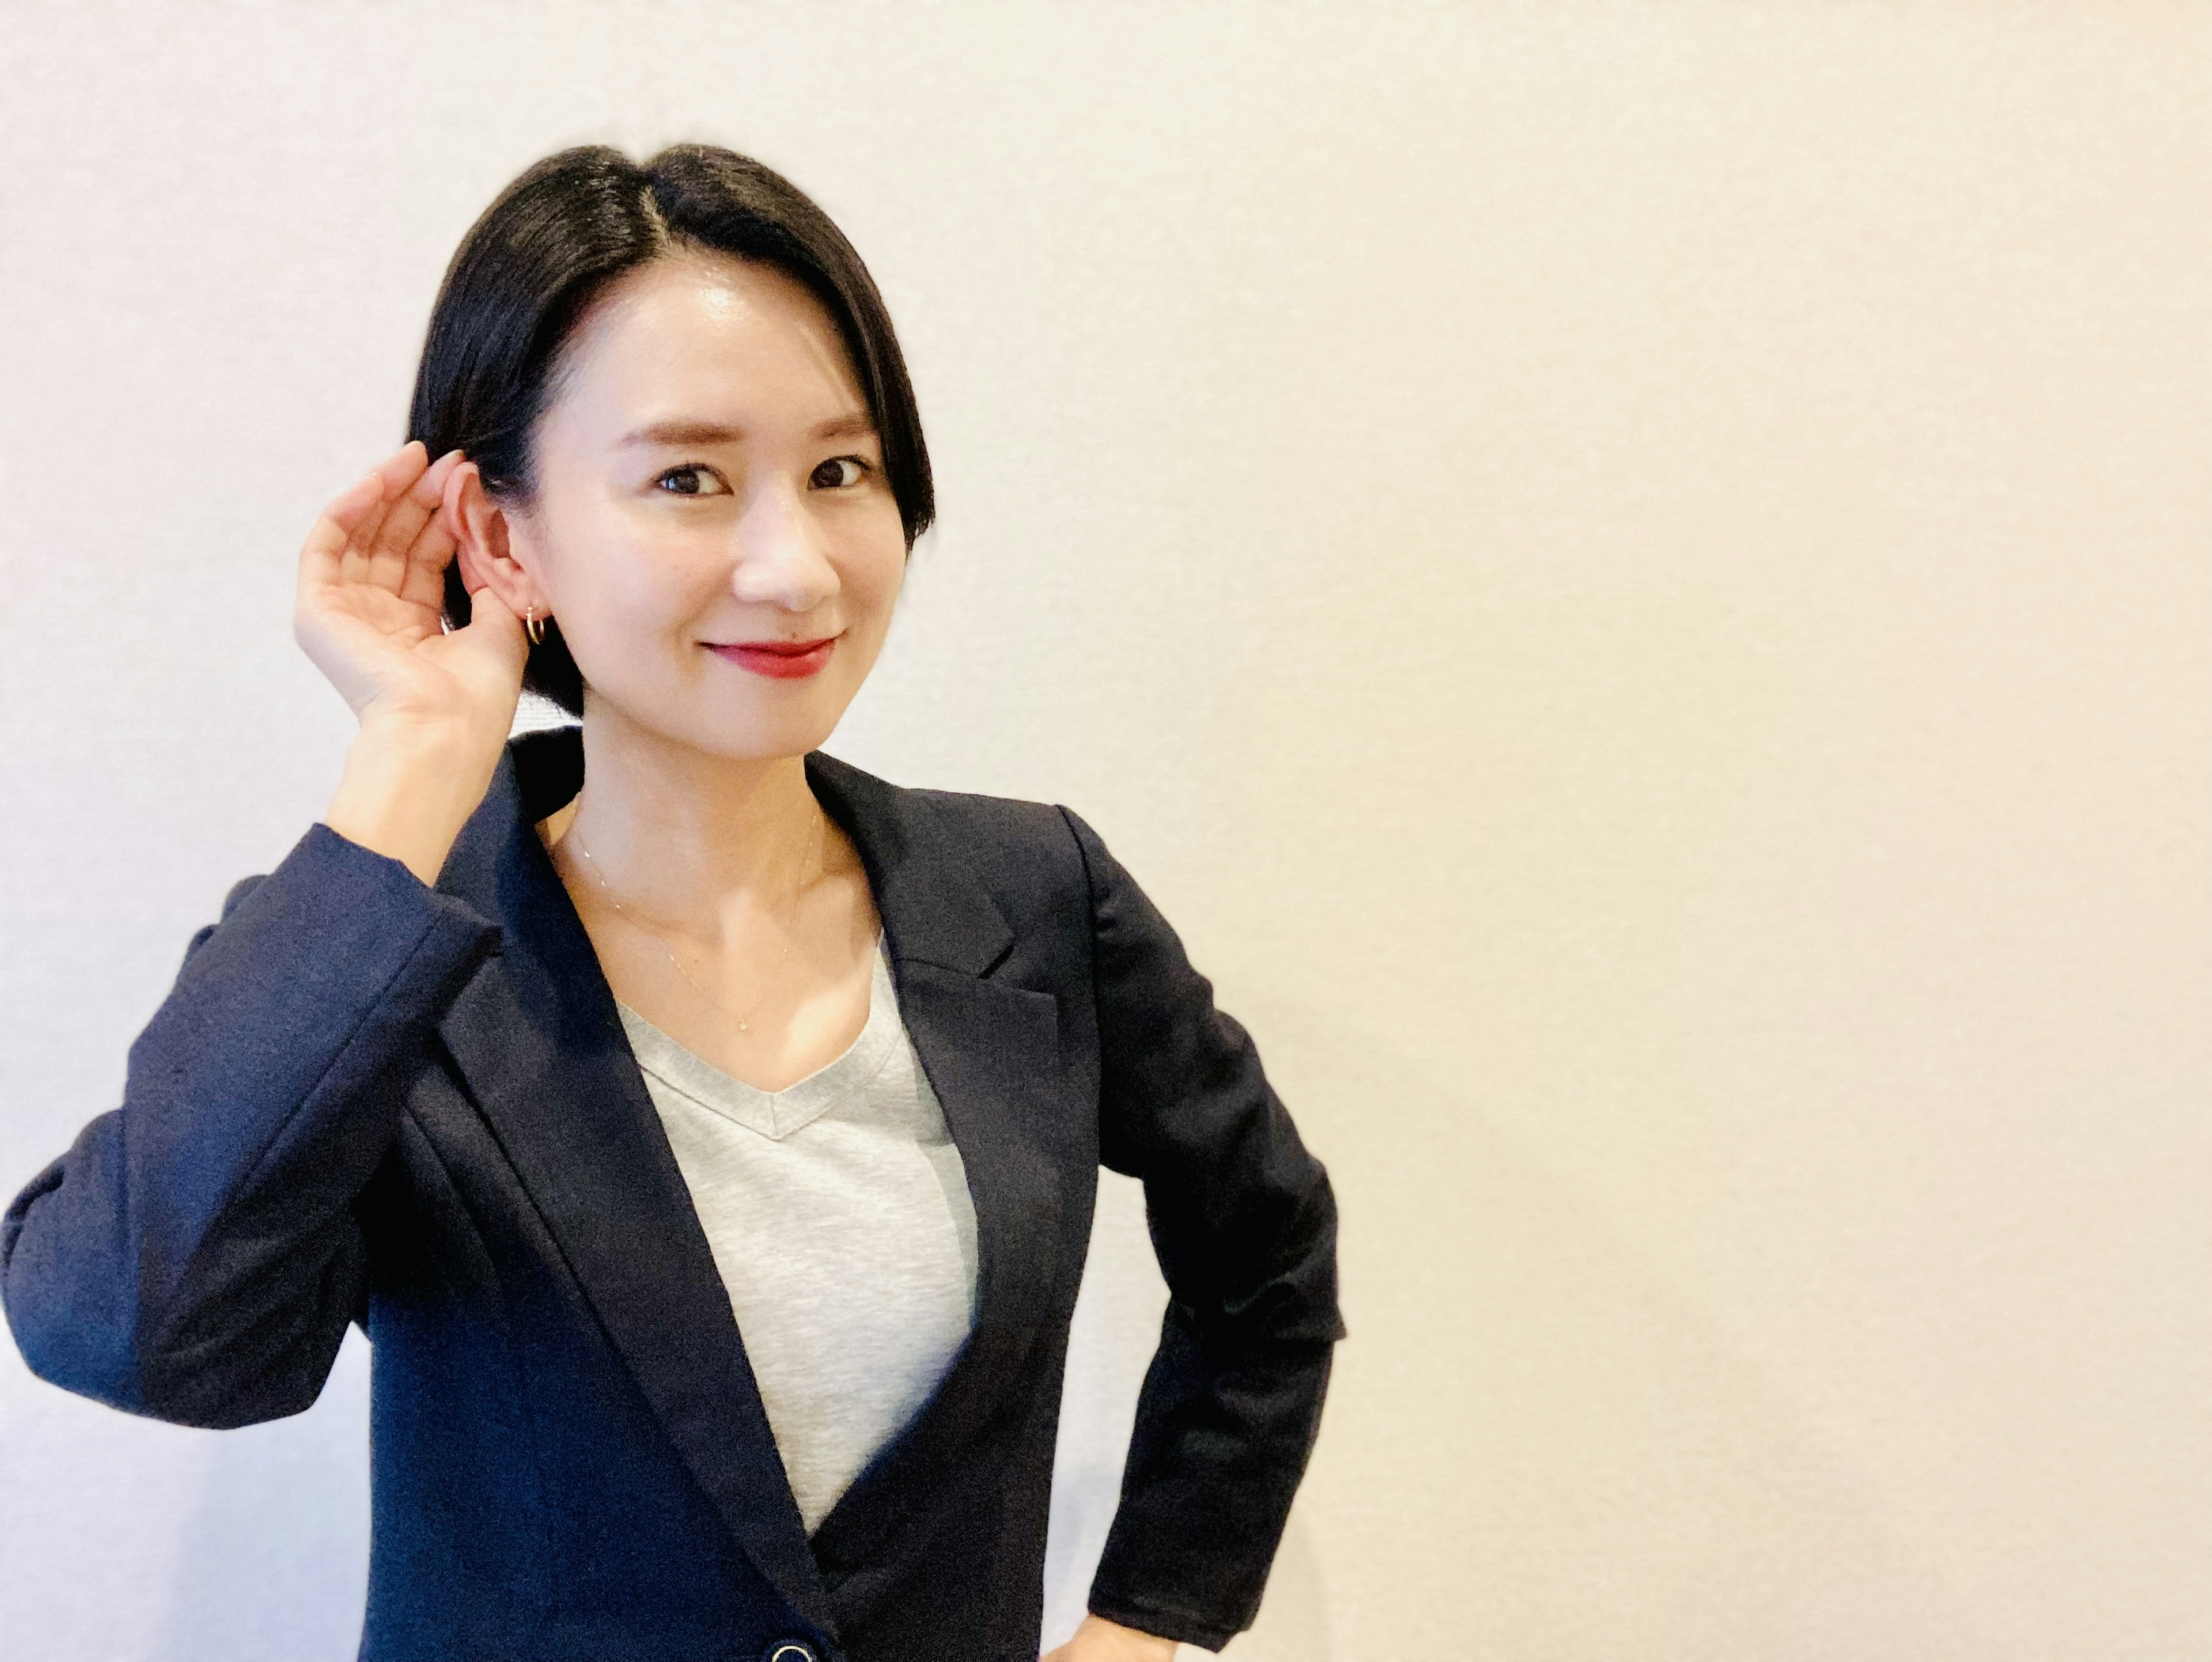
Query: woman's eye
(691, 480)
(839, 472)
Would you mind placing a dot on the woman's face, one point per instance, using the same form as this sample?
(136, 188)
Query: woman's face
(712, 526)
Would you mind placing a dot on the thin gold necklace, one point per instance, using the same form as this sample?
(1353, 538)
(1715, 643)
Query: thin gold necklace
(790, 930)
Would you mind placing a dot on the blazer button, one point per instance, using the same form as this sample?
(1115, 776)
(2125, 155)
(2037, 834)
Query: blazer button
(790, 1651)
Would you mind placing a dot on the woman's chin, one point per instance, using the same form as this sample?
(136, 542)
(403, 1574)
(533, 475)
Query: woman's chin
(740, 735)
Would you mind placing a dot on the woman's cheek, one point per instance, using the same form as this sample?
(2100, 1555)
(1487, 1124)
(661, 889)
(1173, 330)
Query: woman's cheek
(881, 578)
(660, 589)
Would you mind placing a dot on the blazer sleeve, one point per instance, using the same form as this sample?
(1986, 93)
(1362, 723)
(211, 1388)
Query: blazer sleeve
(195, 1255)
(1245, 1225)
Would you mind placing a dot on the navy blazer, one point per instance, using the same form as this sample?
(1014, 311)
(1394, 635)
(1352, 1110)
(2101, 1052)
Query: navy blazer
(369, 1100)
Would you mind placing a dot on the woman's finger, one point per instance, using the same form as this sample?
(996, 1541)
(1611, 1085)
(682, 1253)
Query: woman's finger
(404, 466)
(355, 503)
(424, 582)
(397, 473)
(494, 630)
(319, 555)
(390, 556)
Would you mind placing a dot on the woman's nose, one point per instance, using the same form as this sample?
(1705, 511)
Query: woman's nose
(781, 559)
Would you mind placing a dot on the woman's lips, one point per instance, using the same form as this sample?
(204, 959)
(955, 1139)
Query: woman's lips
(779, 660)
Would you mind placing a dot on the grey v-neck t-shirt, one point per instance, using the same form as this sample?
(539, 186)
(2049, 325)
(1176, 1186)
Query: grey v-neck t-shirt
(839, 1216)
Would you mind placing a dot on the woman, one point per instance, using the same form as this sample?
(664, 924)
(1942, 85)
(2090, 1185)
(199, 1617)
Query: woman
(704, 1132)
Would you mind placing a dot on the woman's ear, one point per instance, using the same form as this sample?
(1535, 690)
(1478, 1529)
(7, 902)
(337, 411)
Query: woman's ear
(480, 530)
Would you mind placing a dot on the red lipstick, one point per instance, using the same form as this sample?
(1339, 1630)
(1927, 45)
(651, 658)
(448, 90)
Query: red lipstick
(779, 660)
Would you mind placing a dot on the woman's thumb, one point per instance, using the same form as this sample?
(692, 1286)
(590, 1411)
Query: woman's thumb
(494, 626)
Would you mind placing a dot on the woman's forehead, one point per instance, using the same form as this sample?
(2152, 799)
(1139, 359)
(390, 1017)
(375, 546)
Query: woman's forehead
(711, 341)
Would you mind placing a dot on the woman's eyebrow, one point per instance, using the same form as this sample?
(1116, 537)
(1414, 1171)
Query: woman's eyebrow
(682, 430)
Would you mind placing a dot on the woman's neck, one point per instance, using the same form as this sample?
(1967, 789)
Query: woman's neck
(676, 832)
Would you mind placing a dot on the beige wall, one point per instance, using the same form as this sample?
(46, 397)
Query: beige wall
(1634, 577)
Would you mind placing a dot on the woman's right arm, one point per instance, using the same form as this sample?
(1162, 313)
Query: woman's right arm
(194, 1255)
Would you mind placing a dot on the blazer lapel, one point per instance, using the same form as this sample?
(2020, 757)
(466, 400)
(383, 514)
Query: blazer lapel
(991, 1054)
(537, 1037)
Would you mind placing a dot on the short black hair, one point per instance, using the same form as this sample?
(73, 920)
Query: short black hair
(553, 241)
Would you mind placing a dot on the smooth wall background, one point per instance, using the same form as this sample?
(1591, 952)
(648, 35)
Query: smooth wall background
(1634, 577)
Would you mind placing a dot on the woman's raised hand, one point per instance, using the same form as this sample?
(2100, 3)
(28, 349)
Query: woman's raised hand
(372, 595)
(435, 708)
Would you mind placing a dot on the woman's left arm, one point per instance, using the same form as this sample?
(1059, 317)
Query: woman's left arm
(1245, 1225)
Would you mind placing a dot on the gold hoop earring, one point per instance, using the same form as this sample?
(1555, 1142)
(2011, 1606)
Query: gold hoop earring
(533, 626)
